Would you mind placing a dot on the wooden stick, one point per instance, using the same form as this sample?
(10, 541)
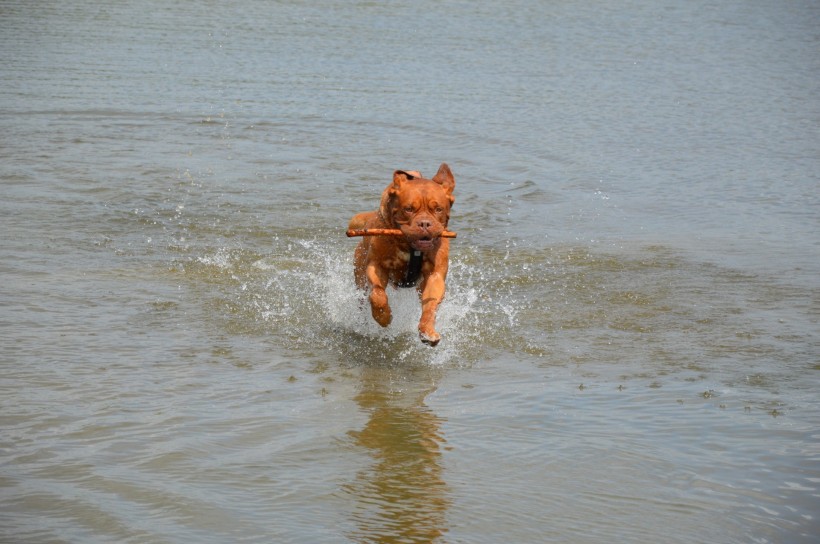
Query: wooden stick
(389, 232)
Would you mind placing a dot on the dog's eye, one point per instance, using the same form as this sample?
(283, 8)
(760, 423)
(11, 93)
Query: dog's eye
(408, 209)
(439, 209)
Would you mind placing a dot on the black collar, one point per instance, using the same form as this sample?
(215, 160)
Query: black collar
(411, 275)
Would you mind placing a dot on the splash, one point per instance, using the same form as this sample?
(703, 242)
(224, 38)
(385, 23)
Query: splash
(347, 319)
(300, 293)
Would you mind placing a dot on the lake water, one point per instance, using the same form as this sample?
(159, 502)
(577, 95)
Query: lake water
(630, 342)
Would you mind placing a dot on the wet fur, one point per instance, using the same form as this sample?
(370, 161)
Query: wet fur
(420, 208)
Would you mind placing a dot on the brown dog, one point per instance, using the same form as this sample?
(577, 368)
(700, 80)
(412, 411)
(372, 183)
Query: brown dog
(420, 208)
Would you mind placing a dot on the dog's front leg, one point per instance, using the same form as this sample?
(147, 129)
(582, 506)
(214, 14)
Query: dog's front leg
(432, 292)
(379, 307)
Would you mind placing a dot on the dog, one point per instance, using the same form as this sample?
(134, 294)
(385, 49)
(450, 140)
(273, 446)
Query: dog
(420, 208)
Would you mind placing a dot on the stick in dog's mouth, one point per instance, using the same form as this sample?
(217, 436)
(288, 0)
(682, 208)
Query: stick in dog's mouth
(391, 232)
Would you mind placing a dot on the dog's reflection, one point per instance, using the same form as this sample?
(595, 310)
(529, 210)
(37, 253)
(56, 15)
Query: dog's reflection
(402, 496)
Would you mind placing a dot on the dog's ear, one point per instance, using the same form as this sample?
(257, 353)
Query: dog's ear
(445, 178)
(400, 177)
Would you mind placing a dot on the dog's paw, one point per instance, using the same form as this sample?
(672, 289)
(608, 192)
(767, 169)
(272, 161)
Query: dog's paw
(431, 339)
(382, 316)
(379, 308)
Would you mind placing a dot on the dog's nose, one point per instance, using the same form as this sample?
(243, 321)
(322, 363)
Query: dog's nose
(424, 224)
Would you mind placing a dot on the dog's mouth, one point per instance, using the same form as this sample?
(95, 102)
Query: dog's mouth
(424, 243)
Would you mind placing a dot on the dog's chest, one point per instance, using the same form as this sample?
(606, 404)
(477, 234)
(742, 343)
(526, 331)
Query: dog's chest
(406, 269)
(398, 261)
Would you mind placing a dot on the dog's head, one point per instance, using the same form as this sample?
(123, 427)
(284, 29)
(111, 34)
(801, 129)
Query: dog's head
(419, 207)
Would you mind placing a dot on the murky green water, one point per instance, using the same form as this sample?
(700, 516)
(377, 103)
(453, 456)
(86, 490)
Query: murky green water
(630, 345)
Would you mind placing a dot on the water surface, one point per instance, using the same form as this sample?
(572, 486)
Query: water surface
(630, 345)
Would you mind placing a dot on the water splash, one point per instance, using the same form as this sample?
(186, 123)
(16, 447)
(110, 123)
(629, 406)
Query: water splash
(347, 324)
(302, 294)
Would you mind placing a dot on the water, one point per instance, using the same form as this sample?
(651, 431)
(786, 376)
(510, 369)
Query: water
(630, 336)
